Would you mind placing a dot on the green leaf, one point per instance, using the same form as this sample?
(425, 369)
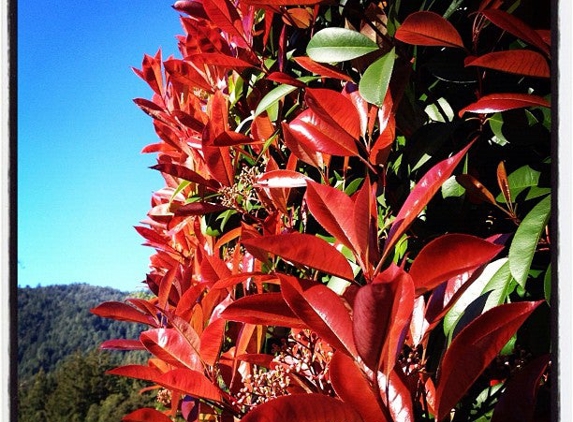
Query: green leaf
(547, 284)
(526, 238)
(496, 125)
(452, 189)
(501, 285)
(374, 83)
(332, 45)
(524, 178)
(273, 97)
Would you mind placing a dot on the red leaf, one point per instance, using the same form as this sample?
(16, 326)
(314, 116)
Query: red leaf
(321, 309)
(330, 207)
(516, 27)
(311, 130)
(382, 310)
(303, 249)
(521, 62)
(419, 197)
(282, 179)
(504, 101)
(321, 69)
(185, 173)
(283, 78)
(171, 346)
(429, 29)
(448, 256)
(211, 341)
(225, 16)
(185, 74)
(518, 401)
(277, 3)
(146, 414)
(191, 7)
(122, 344)
(303, 407)
(139, 372)
(301, 147)
(151, 72)
(230, 138)
(474, 348)
(199, 208)
(191, 382)
(219, 60)
(122, 312)
(263, 309)
(335, 109)
(352, 386)
(396, 395)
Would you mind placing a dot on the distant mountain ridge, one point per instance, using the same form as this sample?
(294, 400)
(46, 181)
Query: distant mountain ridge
(54, 322)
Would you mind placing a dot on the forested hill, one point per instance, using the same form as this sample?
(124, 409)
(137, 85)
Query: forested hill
(54, 322)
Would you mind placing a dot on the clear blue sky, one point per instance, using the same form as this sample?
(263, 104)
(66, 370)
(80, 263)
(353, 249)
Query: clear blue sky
(82, 180)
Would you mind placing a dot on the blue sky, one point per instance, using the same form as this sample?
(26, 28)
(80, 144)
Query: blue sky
(82, 180)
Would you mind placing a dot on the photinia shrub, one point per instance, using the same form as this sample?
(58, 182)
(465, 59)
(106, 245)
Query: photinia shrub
(355, 219)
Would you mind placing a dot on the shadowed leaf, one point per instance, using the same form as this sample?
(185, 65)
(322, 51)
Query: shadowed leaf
(428, 29)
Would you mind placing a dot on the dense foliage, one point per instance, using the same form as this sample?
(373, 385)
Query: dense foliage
(356, 219)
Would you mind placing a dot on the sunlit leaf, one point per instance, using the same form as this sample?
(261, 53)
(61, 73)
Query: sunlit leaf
(521, 62)
(122, 344)
(273, 97)
(306, 250)
(321, 309)
(352, 386)
(419, 197)
(524, 243)
(494, 103)
(122, 312)
(171, 346)
(303, 407)
(146, 414)
(331, 45)
(428, 29)
(321, 69)
(376, 79)
(282, 179)
(335, 109)
(263, 309)
(191, 382)
(474, 348)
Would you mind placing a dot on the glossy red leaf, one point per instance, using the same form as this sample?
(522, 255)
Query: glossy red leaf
(494, 103)
(220, 60)
(517, 403)
(473, 349)
(282, 179)
(521, 62)
(151, 72)
(303, 407)
(184, 73)
(335, 109)
(278, 3)
(146, 414)
(263, 309)
(322, 136)
(419, 197)
(301, 147)
(231, 139)
(321, 309)
(191, 382)
(284, 78)
(322, 69)
(362, 224)
(122, 344)
(517, 27)
(171, 346)
(352, 386)
(224, 15)
(122, 312)
(305, 250)
(198, 208)
(396, 395)
(382, 311)
(140, 372)
(428, 29)
(185, 173)
(212, 340)
(330, 207)
(448, 256)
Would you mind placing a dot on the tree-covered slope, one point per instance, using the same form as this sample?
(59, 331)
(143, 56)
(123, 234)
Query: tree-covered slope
(54, 322)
